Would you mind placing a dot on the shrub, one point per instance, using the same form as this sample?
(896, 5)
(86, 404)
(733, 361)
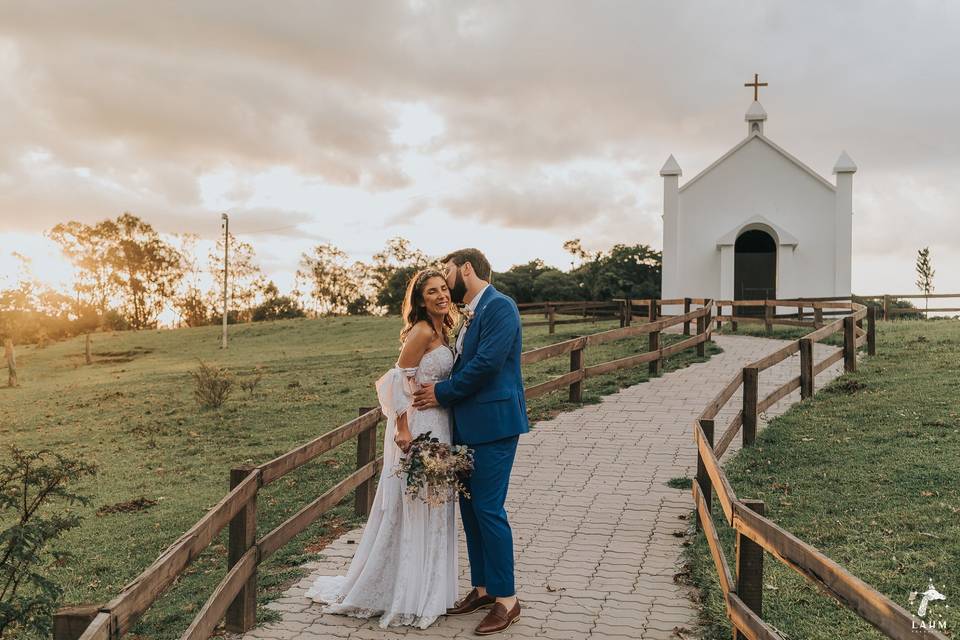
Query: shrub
(30, 484)
(212, 385)
(249, 384)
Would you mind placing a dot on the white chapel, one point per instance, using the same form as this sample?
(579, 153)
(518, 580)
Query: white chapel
(757, 224)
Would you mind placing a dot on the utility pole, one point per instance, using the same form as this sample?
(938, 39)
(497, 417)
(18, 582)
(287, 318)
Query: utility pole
(225, 223)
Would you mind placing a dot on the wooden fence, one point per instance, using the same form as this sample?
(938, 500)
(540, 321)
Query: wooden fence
(768, 316)
(555, 313)
(885, 304)
(891, 312)
(234, 598)
(743, 591)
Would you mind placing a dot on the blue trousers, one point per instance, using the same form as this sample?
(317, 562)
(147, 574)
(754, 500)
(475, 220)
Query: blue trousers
(489, 538)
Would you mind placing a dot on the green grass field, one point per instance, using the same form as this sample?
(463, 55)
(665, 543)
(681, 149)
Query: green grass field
(133, 414)
(867, 473)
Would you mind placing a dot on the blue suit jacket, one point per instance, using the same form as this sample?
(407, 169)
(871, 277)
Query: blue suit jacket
(485, 389)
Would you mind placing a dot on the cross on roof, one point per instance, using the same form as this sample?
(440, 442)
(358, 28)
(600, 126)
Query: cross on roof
(756, 84)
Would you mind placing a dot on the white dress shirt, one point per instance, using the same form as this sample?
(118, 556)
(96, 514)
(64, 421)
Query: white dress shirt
(472, 305)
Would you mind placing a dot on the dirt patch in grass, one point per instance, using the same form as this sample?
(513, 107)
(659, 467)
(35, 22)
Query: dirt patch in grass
(128, 506)
(119, 357)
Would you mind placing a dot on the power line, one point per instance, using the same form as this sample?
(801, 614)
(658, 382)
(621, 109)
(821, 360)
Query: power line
(256, 231)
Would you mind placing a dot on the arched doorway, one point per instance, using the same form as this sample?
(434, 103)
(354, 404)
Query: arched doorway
(754, 269)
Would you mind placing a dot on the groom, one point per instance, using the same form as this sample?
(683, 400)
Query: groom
(485, 392)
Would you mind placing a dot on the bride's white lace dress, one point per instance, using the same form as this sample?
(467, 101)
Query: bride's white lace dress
(405, 567)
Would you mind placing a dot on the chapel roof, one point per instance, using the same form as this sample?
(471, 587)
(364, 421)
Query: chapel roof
(762, 138)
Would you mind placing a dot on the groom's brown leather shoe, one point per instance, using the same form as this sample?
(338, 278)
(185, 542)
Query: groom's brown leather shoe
(499, 619)
(471, 603)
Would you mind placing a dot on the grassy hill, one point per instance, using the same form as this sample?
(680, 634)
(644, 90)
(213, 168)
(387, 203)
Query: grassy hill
(866, 472)
(133, 414)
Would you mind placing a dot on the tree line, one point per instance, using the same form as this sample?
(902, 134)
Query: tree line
(129, 276)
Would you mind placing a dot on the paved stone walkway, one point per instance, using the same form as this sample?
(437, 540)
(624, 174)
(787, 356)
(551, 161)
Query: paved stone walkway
(597, 531)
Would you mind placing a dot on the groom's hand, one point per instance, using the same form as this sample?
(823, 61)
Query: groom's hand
(425, 398)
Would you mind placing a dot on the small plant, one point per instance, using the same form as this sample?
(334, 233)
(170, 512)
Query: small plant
(212, 385)
(249, 384)
(925, 274)
(30, 483)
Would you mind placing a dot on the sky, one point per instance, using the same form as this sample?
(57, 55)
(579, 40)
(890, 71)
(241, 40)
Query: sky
(510, 126)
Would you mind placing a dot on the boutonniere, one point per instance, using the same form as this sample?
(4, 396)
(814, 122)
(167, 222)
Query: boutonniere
(467, 314)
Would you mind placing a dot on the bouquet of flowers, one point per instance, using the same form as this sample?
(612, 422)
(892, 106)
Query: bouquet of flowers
(434, 469)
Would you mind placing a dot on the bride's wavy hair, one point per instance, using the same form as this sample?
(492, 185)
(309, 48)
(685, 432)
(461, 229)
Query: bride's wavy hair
(414, 306)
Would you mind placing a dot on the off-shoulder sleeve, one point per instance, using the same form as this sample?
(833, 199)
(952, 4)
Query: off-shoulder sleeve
(395, 390)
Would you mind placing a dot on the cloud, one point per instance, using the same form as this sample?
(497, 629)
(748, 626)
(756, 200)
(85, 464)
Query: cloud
(112, 106)
(542, 204)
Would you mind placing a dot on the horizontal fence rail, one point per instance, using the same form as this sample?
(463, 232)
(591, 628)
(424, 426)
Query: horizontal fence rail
(234, 598)
(755, 534)
(889, 307)
(557, 313)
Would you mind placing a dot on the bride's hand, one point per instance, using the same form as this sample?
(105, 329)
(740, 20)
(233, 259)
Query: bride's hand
(403, 439)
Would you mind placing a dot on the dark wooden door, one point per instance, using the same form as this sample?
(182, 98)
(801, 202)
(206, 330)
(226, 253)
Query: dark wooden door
(754, 269)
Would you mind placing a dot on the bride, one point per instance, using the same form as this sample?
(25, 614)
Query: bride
(405, 567)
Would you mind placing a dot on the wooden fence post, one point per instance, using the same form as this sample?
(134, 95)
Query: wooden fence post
(655, 365)
(817, 316)
(242, 612)
(87, 357)
(751, 389)
(366, 453)
(871, 331)
(706, 489)
(750, 568)
(702, 323)
(552, 315)
(11, 357)
(686, 309)
(768, 315)
(849, 345)
(69, 623)
(629, 311)
(719, 313)
(576, 364)
(806, 368)
(800, 312)
(623, 313)
(886, 307)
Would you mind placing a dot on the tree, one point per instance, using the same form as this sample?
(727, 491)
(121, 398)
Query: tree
(555, 285)
(144, 268)
(86, 246)
(32, 311)
(245, 279)
(123, 260)
(925, 274)
(623, 271)
(391, 271)
(575, 248)
(275, 306)
(333, 283)
(30, 484)
(518, 281)
(189, 301)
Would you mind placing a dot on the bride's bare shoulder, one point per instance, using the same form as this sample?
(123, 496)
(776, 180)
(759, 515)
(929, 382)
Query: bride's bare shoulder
(415, 344)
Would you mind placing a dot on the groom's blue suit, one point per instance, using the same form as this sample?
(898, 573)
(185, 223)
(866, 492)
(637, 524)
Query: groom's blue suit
(489, 410)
